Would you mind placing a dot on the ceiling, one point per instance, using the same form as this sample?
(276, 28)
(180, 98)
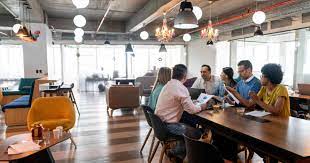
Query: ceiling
(126, 16)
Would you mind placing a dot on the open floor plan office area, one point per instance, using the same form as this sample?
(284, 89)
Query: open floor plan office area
(169, 81)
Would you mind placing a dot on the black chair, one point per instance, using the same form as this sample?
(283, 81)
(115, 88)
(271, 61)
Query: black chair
(164, 137)
(68, 89)
(148, 120)
(200, 152)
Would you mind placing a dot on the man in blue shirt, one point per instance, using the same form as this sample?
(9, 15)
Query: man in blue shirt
(248, 83)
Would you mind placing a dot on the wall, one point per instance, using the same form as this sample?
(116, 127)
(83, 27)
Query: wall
(198, 54)
(35, 54)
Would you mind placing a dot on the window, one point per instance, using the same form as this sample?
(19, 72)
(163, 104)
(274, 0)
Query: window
(54, 62)
(11, 62)
(279, 48)
(222, 56)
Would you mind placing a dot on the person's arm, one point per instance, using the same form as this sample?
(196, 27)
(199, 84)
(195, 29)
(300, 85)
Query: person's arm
(270, 108)
(189, 106)
(243, 101)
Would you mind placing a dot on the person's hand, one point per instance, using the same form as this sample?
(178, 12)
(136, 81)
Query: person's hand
(227, 99)
(232, 90)
(204, 106)
(253, 96)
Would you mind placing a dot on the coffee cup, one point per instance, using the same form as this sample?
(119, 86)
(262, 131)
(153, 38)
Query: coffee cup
(60, 128)
(56, 133)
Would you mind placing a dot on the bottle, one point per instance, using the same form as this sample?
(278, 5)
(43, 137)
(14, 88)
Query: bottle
(37, 131)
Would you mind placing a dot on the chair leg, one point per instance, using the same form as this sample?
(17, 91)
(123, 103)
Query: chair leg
(145, 140)
(73, 142)
(162, 153)
(154, 151)
(74, 101)
(246, 155)
(151, 148)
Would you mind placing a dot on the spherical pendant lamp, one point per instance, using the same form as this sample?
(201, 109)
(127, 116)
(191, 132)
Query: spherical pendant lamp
(79, 21)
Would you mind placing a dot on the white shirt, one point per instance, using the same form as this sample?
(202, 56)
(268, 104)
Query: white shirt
(173, 100)
(211, 86)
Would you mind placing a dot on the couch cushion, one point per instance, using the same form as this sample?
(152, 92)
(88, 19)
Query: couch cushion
(22, 102)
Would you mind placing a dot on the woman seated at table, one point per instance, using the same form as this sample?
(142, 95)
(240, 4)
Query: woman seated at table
(227, 80)
(272, 97)
(163, 76)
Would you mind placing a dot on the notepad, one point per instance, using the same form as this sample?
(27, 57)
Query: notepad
(22, 147)
(257, 113)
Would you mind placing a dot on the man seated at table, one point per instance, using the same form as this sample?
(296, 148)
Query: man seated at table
(174, 103)
(272, 97)
(207, 81)
(248, 83)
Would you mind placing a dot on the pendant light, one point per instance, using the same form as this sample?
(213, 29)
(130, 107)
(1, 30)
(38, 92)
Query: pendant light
(80, 3)
(129, 48)
(78, 39)
(258, 31)
(258, 17)
(186, 19)
(187, 37)
(23, 31)
(162, 48)
(107, 42)
(198, 12)
(79, 21)
(16, 27)
(79, 32)
(144, 35)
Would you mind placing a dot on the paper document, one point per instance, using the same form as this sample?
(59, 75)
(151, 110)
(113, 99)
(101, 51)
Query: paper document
(232, 96)
(22, 147)
(204, 98)
(257, 113)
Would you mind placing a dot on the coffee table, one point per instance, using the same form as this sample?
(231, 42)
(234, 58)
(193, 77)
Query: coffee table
(42, 155)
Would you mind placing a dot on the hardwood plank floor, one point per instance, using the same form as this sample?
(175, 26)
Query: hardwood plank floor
(100, 138)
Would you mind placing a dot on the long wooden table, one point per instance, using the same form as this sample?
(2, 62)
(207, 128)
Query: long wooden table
(287, 139)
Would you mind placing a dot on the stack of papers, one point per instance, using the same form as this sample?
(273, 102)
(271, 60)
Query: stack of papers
(257, 113)
(203, 98)
(22, 147)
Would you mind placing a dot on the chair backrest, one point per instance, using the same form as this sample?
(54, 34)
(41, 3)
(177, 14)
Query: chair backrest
(48, 108)
(200, 152)
(160, 130)
(26, 84)
(123, 96)
(1, 95)
(146, 81)
(146, 109)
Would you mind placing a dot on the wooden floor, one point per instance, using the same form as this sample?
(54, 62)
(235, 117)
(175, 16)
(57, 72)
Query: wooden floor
(100, 138)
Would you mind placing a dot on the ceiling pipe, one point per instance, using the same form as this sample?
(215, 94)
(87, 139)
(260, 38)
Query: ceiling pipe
(105, 15)
(8, 9)
(244, 15)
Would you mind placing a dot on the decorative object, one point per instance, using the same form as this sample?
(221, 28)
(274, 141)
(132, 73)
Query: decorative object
(37, 131)
(259, 17)
(258, 31)
(79, 21)
(210, 33)
(79, 32)
(187, 37)
(198, 12)
(164, 34)
(129, 48)
(162, 48)
(186, 19)
(80, 3)
(144, 35)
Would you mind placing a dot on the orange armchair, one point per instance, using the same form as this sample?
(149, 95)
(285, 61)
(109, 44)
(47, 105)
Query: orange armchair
(52, 112)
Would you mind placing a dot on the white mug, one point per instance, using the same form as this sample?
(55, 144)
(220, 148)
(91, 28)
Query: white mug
(60, 128)
(56, 133)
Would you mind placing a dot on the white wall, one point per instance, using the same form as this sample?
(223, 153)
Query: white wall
(198, 54)
(35, 54)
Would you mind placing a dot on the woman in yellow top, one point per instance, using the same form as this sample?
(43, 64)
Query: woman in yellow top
(272, 97)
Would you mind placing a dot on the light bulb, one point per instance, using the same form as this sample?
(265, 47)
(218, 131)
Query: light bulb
(16, 27)
(78, 32)
(80, 3)
(78, 39)
(259, 17)
(187, 37)
(144, 35)
(197, 11)
(79, 21)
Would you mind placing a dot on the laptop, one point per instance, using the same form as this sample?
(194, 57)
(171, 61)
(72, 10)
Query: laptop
(194, 93)
(304, 89)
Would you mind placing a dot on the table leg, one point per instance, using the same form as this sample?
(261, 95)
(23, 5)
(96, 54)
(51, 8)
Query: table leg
(39, 157)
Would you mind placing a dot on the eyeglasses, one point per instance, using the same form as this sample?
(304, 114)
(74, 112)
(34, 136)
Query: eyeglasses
(203, 71)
